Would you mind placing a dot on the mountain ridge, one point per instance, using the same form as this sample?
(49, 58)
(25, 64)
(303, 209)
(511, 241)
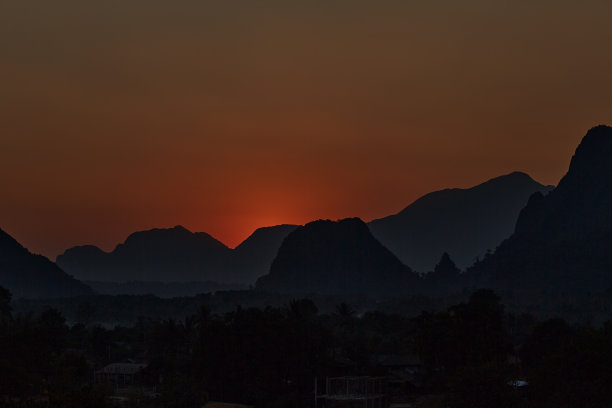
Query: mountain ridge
(33, 276)
(437, 222)
(194, 256)
(155, 254)
(562, 239)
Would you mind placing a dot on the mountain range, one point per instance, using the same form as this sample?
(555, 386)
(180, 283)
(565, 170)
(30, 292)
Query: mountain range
(418, 235)
(465, 223)
(173, 254)
(177, 255)
(552, 238)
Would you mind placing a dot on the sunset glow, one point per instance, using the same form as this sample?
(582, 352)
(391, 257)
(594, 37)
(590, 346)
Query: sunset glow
(229, 116)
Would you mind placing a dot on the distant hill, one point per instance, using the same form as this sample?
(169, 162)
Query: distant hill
(173, 254)
(176, 255)
(337, 258)
(253, 257)
(464, 223)
(562, 240)
(445, 277)
(34, 276)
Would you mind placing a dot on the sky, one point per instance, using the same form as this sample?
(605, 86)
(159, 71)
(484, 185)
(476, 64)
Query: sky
(226, 116)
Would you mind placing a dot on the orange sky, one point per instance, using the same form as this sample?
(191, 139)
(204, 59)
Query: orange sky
(225, 116)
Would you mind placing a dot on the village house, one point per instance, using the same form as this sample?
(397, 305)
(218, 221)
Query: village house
(120, 373)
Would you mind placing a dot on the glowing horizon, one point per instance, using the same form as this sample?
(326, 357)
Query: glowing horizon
(225, 117)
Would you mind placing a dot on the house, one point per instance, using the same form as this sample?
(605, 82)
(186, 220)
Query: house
(403, 375)
(120, 373)
(402, 370)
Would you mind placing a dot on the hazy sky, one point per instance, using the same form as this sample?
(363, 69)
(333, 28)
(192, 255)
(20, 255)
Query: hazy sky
(225, 116)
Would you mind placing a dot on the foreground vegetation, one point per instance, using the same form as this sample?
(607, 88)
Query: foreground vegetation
(471, 354)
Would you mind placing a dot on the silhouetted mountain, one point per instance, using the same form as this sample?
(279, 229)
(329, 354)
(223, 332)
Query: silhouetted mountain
(253, 257)
(446, 268)
(562, 239)
(34, 276)
(177, 255)
(465, 223)
(337, 258)
(445, 276)
(173, 254)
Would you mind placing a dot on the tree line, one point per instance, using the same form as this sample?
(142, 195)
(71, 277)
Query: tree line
(472, 354)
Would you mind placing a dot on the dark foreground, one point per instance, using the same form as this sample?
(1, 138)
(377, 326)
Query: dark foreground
(472, 354)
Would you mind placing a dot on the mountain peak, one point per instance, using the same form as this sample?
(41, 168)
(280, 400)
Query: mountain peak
(563, 238)
(341, 256)
(514, 180)
(175, 237)
(514, 176)
(592, 159)
(160, 254)
(581, 203)
(180, 228)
